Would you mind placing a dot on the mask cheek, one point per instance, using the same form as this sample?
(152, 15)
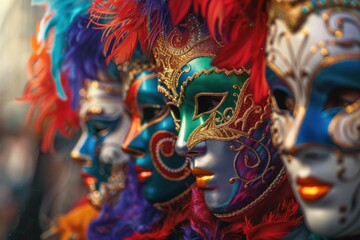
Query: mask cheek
(338, 211)
(344, 128)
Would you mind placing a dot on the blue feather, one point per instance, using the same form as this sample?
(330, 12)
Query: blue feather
(77, 46)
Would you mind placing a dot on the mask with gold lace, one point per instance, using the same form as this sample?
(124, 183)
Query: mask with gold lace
(104, 124)
(313, 56)
(220, 126)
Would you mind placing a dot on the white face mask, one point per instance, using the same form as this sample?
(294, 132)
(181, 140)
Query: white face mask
(314, 74)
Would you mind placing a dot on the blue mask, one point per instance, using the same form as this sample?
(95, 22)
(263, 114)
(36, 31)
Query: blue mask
(163, 174)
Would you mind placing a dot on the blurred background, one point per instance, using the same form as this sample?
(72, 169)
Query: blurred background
(35, 187)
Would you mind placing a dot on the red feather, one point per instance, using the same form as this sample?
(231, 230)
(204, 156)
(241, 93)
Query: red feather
(242, 27)
(179, 10)
(124, 26)
(49, 112)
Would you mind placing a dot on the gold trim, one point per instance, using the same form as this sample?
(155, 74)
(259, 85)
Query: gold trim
(81, 159)
(95, 110)
(112, 88)
(273, 185)
(246, 158)
(178, 199)
(295, 12)
(234, 126)
(216, 70)
(174, 51)
(176, 120)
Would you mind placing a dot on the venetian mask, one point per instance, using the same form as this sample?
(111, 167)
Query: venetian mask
(313, 70)
(104, 124)
(164, 175)
(220, 126)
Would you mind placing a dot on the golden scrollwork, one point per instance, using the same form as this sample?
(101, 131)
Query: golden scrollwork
(173, 51)
(229, 127)
(295, 12)
(134, 69)
(240, 156)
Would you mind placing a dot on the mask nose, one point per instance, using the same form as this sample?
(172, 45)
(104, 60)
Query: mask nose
(80, 153)
(81, 159)
(134, 147)
(182, 149)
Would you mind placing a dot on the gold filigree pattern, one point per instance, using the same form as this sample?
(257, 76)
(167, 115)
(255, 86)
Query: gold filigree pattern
(180, 97)
(228, 128)
(241, 155)
(109, 191)
(174, 51)
(134, 69)
(242, 211)
(181, 198)
(294, 12)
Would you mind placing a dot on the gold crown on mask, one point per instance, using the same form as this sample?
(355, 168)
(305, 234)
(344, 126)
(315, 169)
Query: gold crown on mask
(295, 12)
(173, 51)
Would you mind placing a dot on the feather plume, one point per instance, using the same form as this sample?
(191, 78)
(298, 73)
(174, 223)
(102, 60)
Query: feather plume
(66, 53)
(129, 23)
(60, 14)
(274, 224)
(46, 107)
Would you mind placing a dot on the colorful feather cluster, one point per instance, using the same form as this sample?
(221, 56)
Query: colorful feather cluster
(129, 23)
(50, 112)
(69, 50)
(61, 15)
(274, 224)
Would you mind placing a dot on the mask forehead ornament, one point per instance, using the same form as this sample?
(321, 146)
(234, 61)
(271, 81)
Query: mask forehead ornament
(104, 124)
(313, 58)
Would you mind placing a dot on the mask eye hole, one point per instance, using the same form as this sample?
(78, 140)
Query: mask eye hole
(206, 103)
(283, 101)
(341, 98)
(152, 112)
(175, 114)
